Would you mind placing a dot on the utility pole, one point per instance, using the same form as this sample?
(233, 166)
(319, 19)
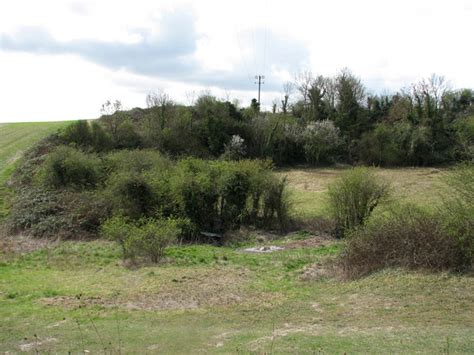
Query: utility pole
(260, 82)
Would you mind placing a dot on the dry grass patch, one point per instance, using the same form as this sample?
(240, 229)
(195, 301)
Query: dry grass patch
(176, 290)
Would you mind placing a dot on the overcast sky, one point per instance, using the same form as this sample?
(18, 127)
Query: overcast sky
(62, 59)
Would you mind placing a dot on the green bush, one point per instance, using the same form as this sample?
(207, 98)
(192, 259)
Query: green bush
(275, 202)
(131, 194)
(117, 228)
(87, 136)
(353, 197)
(69, 167)
(100, 140)
(126, 137)
(411, 237)
(464, 133)
(380, 146)
(233, 189)
(151, 238)
(196, 193)
(79, 133)
(147, 237)
(136, 161)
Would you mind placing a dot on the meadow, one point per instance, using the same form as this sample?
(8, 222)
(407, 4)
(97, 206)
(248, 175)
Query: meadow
(79, 296)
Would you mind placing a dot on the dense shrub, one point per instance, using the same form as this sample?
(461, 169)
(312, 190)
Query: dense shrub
(217, 196)
(131, 194)
(79, 133)
(233, 189)
(195, 190)
(214, 196)
(135, 161)
(408, 237)
(275, 202)
(353, 197)
(100, 140)
(464, 131)
(68, 167)
(87, 136)
(380, 146)
(126, 137)
(146, 237)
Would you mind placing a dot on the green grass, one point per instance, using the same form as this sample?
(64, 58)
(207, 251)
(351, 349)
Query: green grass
(15, 139)
(218, 299)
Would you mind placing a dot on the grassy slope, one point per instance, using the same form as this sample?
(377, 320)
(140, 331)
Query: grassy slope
(222, 300)
(15, 138)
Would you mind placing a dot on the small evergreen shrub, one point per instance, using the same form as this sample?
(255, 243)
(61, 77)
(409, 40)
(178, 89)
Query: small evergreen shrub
(353, 197)
(67, 167)
(79, 133)
(131, 194)
(196, 193)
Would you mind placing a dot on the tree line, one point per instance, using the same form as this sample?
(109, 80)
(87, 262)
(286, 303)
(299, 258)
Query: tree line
(319, 120)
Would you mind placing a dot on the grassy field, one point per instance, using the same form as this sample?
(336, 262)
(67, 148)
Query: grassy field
(77, 296)
(72, 297)
(308, 186)
(15, 138)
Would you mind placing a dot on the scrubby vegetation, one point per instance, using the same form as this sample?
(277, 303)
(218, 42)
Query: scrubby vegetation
(353, 197)
(210, 164)
(416, 237)
(64, 191)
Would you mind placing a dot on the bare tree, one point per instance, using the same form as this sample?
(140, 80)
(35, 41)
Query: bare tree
(303, 83)
(160, 103)
(190, 97)
(110, 116)
(427, 95)
(287, 90)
